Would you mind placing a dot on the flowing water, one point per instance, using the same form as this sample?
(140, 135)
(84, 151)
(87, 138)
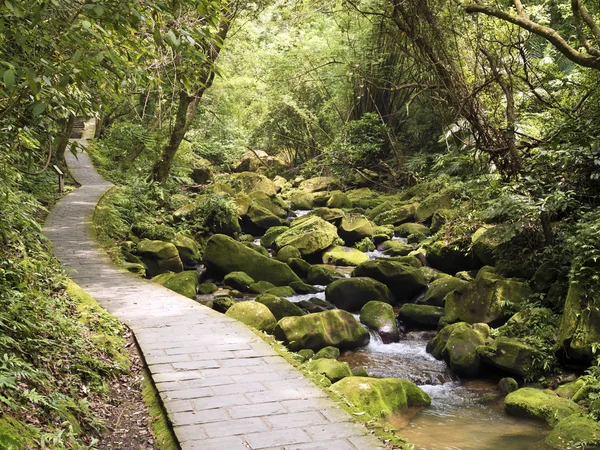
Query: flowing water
(463, 414)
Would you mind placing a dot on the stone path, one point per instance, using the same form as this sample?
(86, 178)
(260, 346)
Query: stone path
(223, 387)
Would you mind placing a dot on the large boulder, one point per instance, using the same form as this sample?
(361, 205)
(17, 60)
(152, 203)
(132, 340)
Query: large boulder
(261, 218)
(248, 182)
(575, 431)
(183, 283)
(579, 328)
(338, 200)
(310, 237)
(280, 307)
(332, 215)
(351, 294)
(159, 257)
(438, 289)
(225, 255)
(539, 404)
(344, 256)
(405, 282)
(510, 355)
(355, 228)
(485, 243)
(274, 204)
(409, 228)
(322, 275)
(240, 281)
(485, 299)
(396, 215)
(315, 331)
(320, 184)
(451, 257)
(420, 316)
(189, 250)
(268, 239)
(433, 203)
(300, 200)
(457, 345)
(381, 397)
(395, 248)
(253, 314)
(330, 368)
(255, 160)
(380, 317)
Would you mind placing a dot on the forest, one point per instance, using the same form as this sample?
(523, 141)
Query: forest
(455, 143)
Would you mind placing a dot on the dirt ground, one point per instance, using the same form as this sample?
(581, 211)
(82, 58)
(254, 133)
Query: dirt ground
(126, 415)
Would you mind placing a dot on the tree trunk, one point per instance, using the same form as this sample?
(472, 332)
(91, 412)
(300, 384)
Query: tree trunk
(63, 139)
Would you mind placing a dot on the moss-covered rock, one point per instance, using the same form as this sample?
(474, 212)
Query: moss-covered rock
(588, 391)
(451, 257)
(253, 314)
(222, 304)
(544, 277)
(397, 215)
(381, 397)
(355, 228)
(382, 233)
(268, 239)
(319, 184)
(575, 431)
(404, 281)
(275, 205)
(135, 268)
(433, 203)
(486, 300)
(224, 255)
(280, 307)
(315, 331)
(238, 280)
(395, 248)
(183, 283)
(330, 368)
(322, 275)
(485, 243)
(507, 385)
(315, 304)
(281, 291)
(257, 248)
(568, 390)
(406, 229)
(207, 288)
(438, 289)
(364, 198)
(351, 294)
(250, 181)
(510, 355)
(302, 288)
(300, 267)
(260, 287)
(328, 352)
(365, 245)
(312, 236)
(261, 218)
(242, 203)
(306, 353)
(159, 257)
(420, 316)
(288, 252)
(338, 200)
(300, 200)
(344, 256)
(539, 404)
(331, 215)
(189, 250)
(580, 323)
(380, 316)
(457, 345)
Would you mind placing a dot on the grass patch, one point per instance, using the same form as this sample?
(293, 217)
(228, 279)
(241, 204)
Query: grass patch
(161, 427)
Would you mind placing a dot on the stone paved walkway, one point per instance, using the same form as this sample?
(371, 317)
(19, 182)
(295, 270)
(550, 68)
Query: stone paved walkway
(223, 387)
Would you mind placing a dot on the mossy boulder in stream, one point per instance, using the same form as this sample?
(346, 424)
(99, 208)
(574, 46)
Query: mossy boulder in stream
(268, 239)
(311, 236)
(381, 397)
(380, 317)
(457, 345)
(344, 256)
(250, 181)
(575, 431)
(240, 281)
(288, 252)
(404, 281)
(300, 200)
(540, 404)
(183, 283)
(351, 294)
(328, 352)
(315, 331)
(395, 248)
(338, 200)
(579, 328)
(355, 228)
(280, 307)
(253, 314)
(397, 215)
(488, 299)
(433, 203)
(451, 257)
(330, 368)
(438, 289)
(319, 184)
(189, 250)
(224, 255)
(485, 243)
(406, 229)
(159, 257)
(322, 275)
(261, 218)
(510, 355)
(420, 316)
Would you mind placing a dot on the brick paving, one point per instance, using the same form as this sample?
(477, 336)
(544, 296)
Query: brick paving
(222, 386)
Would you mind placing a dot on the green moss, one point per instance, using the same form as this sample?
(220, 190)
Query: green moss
(344, 256)
(280, 307)
(15, 435)
(351, 294)
(330, 368)
(575, 432)
(253, 314)
(438, 289)
(183, 283)
(238, 280)
(328, 352)
(355, 228)
(541, 405)
(161, 426)
(404, 281)
(380, 316)
(311, 236)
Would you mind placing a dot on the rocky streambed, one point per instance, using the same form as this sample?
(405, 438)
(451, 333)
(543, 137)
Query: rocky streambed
(459, 334)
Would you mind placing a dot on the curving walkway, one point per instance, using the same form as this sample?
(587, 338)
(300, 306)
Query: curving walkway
(223, 387)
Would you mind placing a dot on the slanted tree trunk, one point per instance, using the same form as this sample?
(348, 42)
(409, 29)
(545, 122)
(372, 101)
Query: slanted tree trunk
(63, 140)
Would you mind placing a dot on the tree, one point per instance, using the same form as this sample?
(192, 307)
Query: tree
(587, 30)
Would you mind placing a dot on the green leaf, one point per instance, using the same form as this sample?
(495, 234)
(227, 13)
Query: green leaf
(38, 108)
(173, 39)
(33, 85)
(9, 79)
(99, 10)
(86, 24)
